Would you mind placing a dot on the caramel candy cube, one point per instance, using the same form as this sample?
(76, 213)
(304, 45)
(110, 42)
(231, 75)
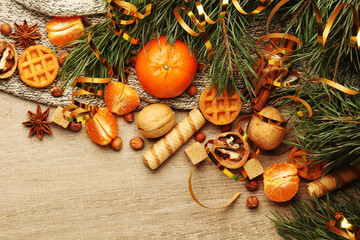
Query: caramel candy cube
(59, 119)
(196, 153)
(253, 168)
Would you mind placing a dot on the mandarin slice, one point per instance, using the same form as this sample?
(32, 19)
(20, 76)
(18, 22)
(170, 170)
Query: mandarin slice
(120, 98)
(62, 30)
(103, 127)
(281, 182)
(305, 168)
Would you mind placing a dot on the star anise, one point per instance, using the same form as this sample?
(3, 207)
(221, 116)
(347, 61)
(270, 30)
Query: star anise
(38, 123)
(25, 35)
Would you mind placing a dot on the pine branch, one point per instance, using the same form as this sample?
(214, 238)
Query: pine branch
(333, 132)
(322, 60)
(163, 22)
(308, 220)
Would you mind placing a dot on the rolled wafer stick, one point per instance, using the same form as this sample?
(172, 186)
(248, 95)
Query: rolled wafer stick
(167, 145)
(333, 181)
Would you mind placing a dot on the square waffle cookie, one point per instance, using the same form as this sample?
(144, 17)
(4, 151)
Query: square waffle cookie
(222, 110)
(38, 66)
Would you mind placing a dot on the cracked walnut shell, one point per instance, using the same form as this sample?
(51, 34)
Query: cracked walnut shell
(8, 59)
(231, 150)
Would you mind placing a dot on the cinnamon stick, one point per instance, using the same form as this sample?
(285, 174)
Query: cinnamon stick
(275, 73)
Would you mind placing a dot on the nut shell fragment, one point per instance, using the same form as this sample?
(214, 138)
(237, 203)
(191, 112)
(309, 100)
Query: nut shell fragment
(14, 58)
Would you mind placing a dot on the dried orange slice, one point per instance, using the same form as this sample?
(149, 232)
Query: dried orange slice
(219, 110)
(38, 66)
(62, 30)
(304, 167)
(281, 182)
(120, 98)
(103, 127)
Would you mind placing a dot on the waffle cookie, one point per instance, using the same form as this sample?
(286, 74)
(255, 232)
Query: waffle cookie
(38, 66)
(219, 111)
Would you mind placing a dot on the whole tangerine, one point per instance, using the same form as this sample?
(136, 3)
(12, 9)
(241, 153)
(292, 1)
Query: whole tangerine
(165, 70)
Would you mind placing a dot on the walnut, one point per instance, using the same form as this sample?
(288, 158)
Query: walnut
(8, 59)
(231, 150)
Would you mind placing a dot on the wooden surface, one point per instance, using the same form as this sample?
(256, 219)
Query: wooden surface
(67, 187)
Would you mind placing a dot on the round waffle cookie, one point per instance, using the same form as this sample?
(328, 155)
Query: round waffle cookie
(38, 66)
(219, 111)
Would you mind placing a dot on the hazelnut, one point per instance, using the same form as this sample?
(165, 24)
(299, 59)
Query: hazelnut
(252, 202)
(116, 143)
(132, 61)
(75, 126)
(192, 90)
(252, 185)
(200, 136)
(62, 57)
(226, 128)
(56, 91)
(137, 143)
(6, 29)
(129, 117)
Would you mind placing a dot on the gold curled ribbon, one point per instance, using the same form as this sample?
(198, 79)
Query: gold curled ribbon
(297, 100)
(80, 112)
(322, 35)
(200, 23)
(226, 171)
(286, 84)
(278, 49)
(246, 137)
(322, 80)
(129, 10)
(268, 59)
(343, 227)
(263, 5)
(269, 120)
